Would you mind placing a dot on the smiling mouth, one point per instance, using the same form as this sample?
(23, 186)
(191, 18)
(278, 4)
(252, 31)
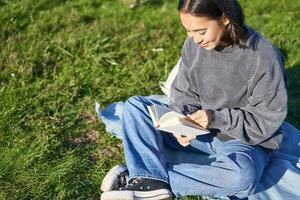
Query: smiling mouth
(204, 45)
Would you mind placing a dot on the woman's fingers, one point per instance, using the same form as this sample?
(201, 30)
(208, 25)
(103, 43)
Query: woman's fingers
(203, 123)
(184, 143)
(189, 138)
(177, 135)
(201, 117)
(184, 140)
(195, 116)
(184, 137)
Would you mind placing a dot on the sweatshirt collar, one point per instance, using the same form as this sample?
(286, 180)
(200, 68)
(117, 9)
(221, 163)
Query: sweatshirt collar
(235, 47)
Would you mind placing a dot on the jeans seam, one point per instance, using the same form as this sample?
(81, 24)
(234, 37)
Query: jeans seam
(143, 168)
(150, 177)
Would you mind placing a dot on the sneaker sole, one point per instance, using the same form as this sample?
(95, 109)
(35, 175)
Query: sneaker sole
(111, 177)
(162, 194)
(116, 195)
(153, 195)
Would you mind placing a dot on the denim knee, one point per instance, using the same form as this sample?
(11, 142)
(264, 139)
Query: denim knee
(246, 176)
(135, 101)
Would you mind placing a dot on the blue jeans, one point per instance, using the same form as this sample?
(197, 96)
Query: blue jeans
(207, 166)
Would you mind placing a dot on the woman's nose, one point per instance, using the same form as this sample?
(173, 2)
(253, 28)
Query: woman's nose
(197, 40)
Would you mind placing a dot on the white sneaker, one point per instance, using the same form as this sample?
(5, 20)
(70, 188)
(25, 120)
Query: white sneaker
(115, 178)
(140, 189)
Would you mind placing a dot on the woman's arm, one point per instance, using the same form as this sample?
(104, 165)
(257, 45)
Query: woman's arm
(183, 98)
(264, 113)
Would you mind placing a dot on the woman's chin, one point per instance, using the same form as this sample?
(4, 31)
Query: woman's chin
(209, 47)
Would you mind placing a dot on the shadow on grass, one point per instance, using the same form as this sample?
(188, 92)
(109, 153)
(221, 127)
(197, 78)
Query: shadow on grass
(150, 2)
(293, 73)
(141, 3)
(289, 153)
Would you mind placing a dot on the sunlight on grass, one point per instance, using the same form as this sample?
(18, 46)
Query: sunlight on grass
(57, 57)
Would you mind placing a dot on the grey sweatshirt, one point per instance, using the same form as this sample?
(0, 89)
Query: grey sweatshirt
(245, 89)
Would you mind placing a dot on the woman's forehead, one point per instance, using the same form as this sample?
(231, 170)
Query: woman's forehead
(194, 23)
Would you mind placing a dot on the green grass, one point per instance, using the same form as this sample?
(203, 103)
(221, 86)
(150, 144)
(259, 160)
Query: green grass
(58, 56)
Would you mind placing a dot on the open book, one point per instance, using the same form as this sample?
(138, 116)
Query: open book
(173, 122)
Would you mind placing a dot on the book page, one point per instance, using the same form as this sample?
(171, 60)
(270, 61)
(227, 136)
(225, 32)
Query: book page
(167, 116)
(183, 130)
(188, 123)
(174, 121)
(160, 111)
(152, 115)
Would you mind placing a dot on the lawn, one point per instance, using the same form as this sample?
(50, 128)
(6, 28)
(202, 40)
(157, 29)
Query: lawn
(58, 56)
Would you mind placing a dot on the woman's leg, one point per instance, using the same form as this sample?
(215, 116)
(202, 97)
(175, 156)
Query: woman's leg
(142, 142)
(233, 171)
(148, 176)
(144, 145)
(206, 167)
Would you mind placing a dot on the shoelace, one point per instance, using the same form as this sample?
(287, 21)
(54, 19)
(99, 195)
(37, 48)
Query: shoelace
(133, 182)
(123, 180)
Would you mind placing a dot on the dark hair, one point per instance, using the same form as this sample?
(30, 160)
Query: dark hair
(235, 31)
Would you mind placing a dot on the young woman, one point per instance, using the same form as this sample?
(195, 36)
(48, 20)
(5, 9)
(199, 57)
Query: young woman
(231, 80)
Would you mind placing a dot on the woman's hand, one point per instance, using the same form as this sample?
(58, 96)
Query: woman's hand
(201, 117)
(184, 140)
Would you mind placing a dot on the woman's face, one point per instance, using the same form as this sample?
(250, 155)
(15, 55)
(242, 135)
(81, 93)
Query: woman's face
(206, 32)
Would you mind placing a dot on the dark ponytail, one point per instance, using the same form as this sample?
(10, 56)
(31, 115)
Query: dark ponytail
(235, 31)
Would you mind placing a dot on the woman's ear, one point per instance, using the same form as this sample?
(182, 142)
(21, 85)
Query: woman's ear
(225, 20)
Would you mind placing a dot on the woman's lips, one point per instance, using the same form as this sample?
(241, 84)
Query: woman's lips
(204, 45)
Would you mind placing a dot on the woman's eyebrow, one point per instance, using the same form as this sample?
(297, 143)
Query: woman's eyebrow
(196, 30)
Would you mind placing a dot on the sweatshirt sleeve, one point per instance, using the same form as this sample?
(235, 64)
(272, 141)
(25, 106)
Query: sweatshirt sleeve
(183, 98)
(265, 111)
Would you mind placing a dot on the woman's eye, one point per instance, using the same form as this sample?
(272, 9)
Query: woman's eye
(202, 33)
